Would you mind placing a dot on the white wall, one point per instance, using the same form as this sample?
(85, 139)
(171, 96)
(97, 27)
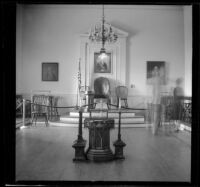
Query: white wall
(188, 49)
(50, 33)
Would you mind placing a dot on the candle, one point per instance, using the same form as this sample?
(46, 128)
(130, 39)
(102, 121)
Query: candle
(119, 102)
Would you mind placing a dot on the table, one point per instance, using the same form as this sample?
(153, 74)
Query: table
(99, 139)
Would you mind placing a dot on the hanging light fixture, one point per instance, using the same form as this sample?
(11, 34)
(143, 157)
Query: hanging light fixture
(103, 33)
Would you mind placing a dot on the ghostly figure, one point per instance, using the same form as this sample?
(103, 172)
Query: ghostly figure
(50, 75)
(156, 82)
(178, 93)
(156, 99)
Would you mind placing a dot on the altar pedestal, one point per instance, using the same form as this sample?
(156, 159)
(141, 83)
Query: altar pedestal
(99, 139)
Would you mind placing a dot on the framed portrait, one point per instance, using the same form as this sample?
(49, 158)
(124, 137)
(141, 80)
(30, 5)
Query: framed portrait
(49, 71)
(156, 67)
(102, 65)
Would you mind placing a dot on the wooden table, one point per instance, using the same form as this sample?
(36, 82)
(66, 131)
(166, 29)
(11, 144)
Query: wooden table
(99, 139)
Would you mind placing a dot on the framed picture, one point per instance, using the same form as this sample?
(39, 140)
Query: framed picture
(49, 71)
(102, 65)
(156, 67)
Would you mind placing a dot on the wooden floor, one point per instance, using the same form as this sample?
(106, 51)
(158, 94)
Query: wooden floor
(46, 153)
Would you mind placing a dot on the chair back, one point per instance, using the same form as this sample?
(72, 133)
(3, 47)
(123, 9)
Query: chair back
(101, 87)
(122, 92)
(41, 100)
(55, 101)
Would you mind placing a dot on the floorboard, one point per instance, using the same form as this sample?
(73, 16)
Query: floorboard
(46, 153)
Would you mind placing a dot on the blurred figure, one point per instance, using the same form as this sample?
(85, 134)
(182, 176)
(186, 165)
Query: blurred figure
(50, 74)
(102, 64)
(156, 99)
(178, 93)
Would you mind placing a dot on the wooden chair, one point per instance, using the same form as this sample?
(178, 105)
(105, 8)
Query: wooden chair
(38, 110)
(54, 105)
(19, 105)
(102, 90)
(167, 113)
(122, 93)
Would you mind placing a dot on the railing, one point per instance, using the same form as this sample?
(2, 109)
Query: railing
(167, 109)
(186, 112)
(24, 103)
(185, 108)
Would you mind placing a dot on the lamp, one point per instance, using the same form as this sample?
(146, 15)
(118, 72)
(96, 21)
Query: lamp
(103, 33)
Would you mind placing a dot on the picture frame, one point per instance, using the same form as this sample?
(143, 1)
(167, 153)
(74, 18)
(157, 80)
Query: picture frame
(49, 71)
(158, 66)
(102, 65)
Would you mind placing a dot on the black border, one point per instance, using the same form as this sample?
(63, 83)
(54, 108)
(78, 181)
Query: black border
(8, 38)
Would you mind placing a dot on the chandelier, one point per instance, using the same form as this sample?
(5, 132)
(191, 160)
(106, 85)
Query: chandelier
(103, 33)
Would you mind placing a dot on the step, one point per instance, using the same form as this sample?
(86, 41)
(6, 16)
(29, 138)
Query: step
(136, 119)
(104, 114)
(66, 124)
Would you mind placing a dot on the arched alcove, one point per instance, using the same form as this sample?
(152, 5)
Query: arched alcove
(118, 59)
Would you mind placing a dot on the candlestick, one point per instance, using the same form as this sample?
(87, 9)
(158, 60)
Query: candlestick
(119, 102)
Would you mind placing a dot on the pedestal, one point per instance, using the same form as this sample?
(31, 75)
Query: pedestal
(99, 139)
(119, 144)
(79, 146)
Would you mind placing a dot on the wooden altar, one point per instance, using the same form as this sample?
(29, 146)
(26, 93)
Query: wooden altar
(99, 139)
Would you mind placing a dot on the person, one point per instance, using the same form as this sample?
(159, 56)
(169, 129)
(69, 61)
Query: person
(102, 65)
(50, 75)
(177, 93)
(156, 99)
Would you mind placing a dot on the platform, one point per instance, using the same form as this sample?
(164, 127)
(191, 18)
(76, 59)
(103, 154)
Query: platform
(129, 118)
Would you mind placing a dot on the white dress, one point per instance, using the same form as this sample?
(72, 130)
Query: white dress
(156, 81)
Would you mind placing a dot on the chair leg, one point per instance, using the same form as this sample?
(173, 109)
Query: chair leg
(56, 111)
(108, 103)
(126, 103)
(46, 120)
(33, 116)
(36, 118)
(117, 102)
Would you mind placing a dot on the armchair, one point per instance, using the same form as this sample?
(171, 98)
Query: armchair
(38, 110)
(102, 90)
(122, 93)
